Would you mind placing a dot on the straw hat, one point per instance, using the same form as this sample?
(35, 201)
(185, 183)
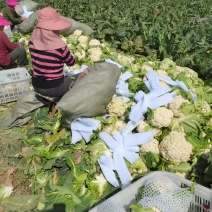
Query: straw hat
(49, 19)
(4, 22)
(12, 2)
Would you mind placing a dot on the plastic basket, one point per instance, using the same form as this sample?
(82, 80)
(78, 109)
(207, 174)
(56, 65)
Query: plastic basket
(13, 83)
(201, 199)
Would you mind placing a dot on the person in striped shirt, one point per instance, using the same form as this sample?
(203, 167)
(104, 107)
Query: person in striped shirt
(49, 53)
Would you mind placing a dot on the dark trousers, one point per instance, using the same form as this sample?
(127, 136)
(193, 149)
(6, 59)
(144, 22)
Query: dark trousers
(19, 56)
(57, 91)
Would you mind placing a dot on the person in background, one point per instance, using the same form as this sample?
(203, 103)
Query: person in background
(11, 54)
(10, 15)
(49, 53)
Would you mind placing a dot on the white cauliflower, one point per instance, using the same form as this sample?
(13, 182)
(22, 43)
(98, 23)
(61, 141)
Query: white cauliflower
(146, 68)
(204, 107)
(24, 40)
(176, 104)
(187, 71)
(155, 209)
(117, 107)
(163, 84)
(95, 54)
(77, 32)
(94, 42)
(83, 41)
(162, 117)
(114, 127)
(124, 60)
(161, 73)
(175, 148)
(100, 183)
(70, 46)
(183, 174)
(80, 55)
(152, 146)
(141, 126)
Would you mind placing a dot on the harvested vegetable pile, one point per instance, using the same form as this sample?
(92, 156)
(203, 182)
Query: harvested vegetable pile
(70, 175)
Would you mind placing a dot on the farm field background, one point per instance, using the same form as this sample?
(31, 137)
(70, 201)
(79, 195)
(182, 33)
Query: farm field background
(38, 162)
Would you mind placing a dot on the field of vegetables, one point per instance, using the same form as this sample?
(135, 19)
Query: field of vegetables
(42, 171)
(161, 29)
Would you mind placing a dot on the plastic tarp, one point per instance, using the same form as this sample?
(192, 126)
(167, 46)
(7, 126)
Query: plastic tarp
(90, 96)
(29, 24)
(87, 30)
(25, 104)
(30, 6)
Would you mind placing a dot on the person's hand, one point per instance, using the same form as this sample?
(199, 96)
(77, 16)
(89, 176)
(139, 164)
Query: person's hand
(23, 18)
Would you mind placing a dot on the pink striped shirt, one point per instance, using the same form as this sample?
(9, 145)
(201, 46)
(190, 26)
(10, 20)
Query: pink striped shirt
(48, 66)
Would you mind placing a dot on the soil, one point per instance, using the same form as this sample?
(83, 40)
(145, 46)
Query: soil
(14, 176)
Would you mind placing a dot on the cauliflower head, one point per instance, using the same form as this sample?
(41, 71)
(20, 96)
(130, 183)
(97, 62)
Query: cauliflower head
(94, 42)
(114, 127)
(176, 104)
(204, 106)
(80, 55)
(162, 117)
(124, 60)
(117, 107)
(152, 146)
(146, 68)
(83, 41)
(175, 148)
(161, 73)
(95, 54)
(77, 32)
(141, 126)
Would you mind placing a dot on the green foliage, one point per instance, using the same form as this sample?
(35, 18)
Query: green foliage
(170, 28)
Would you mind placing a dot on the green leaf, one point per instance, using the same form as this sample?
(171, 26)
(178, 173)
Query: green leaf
(139, 208)
(182, 167)
(65, 191)
(21, 203)
(50, 163)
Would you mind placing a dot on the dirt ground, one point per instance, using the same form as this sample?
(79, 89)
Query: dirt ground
(13, 176)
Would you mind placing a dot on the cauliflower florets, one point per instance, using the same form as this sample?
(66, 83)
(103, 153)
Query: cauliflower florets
(77, 32)
(95, 54)
(146, 68)
(205, 107)
(124, 60)
(152, 146)
(117, 107)
(83, 40)
(114, 127)
(161, 73)
(162, 117)
(183, 175)
(174, 147)
(94, 42)
(187, 71)
(141, 126)
(80, 55)
(176, 104)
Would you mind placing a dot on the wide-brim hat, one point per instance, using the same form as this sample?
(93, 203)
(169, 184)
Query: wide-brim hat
(4, 22)
(49, 19)
(12, 2)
